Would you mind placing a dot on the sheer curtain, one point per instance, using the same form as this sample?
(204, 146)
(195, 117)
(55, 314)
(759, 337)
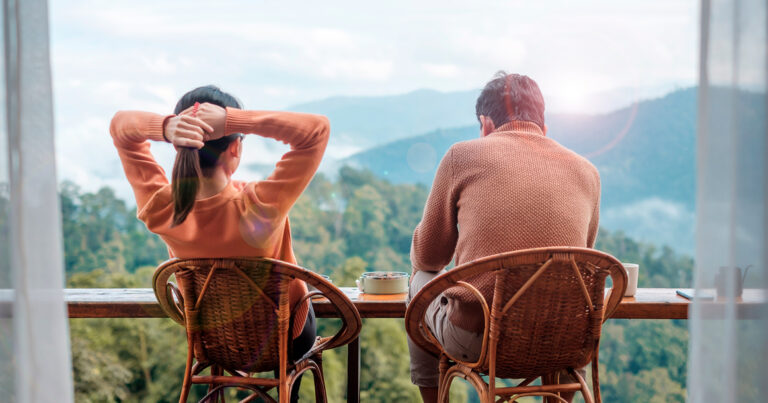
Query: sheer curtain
(34, 341)
(728, 358)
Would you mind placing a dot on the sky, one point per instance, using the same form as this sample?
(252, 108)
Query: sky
(586, 56)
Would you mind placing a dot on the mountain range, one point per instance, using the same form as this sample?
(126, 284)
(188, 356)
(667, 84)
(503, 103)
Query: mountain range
(645, 152)
(359, 123)
(645, 149)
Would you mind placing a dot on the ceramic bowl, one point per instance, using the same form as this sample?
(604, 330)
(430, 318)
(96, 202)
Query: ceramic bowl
(383, 282)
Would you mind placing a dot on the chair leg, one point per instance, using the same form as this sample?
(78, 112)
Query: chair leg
(218, 396)
(291, 378)
(444, 389)
(584, 388)
(550, 379)
(595, 378)
(482, 388)
(442, 369)
(317, 374)
(284, 389)
(187, 384)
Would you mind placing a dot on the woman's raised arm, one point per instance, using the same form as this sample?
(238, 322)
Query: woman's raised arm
(307, 134)
(183, 130)
(129, 128)
(130, 131)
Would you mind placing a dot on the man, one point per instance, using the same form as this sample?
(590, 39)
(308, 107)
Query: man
(513, 188)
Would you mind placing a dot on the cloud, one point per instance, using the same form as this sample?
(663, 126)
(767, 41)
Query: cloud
(441, 70)
(655, 220)
(144, 54)
(362, 69)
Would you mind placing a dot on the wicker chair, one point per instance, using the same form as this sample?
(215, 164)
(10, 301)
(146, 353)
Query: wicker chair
(237, 317)
(546, 316)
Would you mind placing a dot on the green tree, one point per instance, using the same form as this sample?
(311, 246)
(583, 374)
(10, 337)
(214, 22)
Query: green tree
(365, 222)
(128, 359)
(100, 232)
(342, 228)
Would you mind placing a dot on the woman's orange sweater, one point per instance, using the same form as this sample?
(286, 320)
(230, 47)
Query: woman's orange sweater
(244, 219)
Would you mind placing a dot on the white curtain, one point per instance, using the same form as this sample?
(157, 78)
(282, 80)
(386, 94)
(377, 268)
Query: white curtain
(35, 362)
(728, 359)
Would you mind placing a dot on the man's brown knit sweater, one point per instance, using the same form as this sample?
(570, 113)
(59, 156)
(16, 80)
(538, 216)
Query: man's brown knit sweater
(513, 189)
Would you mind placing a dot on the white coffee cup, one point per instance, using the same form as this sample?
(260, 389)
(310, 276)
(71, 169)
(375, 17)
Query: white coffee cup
(632, 269)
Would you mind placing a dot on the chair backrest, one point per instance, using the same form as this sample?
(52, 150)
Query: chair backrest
(235, 310)
(547, 310)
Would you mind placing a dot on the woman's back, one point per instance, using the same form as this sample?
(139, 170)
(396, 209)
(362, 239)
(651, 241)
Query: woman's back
(243, 219)
(252, 214)
(228, 224)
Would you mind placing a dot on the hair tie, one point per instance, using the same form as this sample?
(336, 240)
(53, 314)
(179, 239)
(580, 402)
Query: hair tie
(194, 109)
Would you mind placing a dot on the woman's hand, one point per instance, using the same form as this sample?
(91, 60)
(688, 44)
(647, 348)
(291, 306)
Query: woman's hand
(214, 116)
(186, 130)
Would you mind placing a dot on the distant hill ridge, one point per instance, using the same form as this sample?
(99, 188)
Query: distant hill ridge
(645, 149)
(645, 154)
(369, 121)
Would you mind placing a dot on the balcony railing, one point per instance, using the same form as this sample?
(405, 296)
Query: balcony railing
(648, 303)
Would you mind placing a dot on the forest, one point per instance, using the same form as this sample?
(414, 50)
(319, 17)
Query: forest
(342, 227)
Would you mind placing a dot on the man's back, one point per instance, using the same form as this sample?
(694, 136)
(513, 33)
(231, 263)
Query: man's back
(520, 190)
(513, 189)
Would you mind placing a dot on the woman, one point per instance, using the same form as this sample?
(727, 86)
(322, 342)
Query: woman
(202, 212)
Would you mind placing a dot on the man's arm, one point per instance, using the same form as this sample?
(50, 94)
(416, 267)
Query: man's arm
(434, 240)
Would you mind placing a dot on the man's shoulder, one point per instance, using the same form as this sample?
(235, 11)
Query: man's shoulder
(473, 149)
(569, 156)
(582, 165)
(466, 144)
(466, 149)
(577, 158)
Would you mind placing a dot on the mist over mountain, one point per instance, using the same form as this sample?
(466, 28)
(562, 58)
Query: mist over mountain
(362, 122)
(358, 123)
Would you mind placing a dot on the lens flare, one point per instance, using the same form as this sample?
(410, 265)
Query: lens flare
(619, 136)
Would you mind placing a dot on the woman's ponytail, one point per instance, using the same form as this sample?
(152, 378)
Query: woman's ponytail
(184, 183)
(192, 164)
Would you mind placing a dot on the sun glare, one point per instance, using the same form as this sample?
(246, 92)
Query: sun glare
(572, 96)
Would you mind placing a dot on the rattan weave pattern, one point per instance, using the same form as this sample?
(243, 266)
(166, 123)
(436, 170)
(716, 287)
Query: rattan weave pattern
(531, 339)
(238, 327)
(237, 317)
(545, 318)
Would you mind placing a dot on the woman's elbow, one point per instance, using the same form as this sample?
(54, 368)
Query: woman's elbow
(322, 130)
(323, 126)
(115, 123)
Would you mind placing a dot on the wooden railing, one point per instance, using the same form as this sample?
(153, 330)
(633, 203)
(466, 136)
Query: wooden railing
(648, 303)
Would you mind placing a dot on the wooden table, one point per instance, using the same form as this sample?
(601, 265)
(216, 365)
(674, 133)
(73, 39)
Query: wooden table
(648, 303)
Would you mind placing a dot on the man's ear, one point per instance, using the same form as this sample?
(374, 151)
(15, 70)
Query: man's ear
(487, 126)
